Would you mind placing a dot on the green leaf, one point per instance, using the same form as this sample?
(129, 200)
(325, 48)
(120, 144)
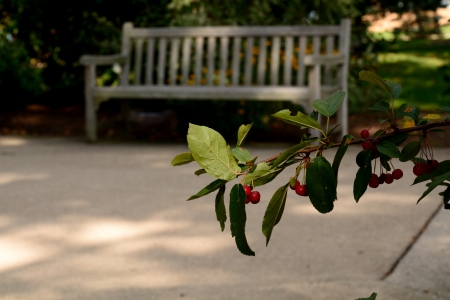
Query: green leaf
(329, 106)
(380, 106)
(221, 213)
(364, 158)
(400, 110)
(288, 154)
(242, 133)
(238, 218)
(182, 159)
(314, 114)
(242, 154)
(375, 79)
(340, 153)
(211, 152)
(262, 169)
(208, 189)
(389, 149)
(444, 167)
(395, 88)
(361, 181)
(298, 120)
(266, 178)
(446, 195)
(384, 159)
(200, 172)
(372, 297)
(412, 112)
(321, 184)
(434, 184)
(409, 151)
(381, 121)
(274, 211)
(333, 129)
(398, 139)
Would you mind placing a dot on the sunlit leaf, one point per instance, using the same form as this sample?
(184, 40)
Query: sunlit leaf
(241, 154)
(242, 133)
(298, 120)
(182, 159)
(433, 117)
(211, 152)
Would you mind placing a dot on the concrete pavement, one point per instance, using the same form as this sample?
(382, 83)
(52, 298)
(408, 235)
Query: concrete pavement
(110, 221)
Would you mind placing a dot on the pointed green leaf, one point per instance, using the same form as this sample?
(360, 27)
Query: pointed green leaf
(434, 184)
(444, 167)
(384, 160)
(380, 106)
(321, 184)
(411, 111)
(372, 297)
(241, 154)
(333, 129)
(446, 195)
(389, 149)
(182, 159)
(400, 110)
(221, 213)
(274, 211)
(395, 88)
(340, 153)
(266, 178)
(238, 218)
(200, 172)
(288, 154)
(262, 169)
(375, 79)
(329, 106)
(298, 120)
(314, 114)
(409, 151)
(361, 181)
(242, 133)
(211, 152)
(209, 189)
(398, 139)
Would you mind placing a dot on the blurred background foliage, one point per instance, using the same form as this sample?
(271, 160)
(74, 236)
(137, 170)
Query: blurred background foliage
(42, 40)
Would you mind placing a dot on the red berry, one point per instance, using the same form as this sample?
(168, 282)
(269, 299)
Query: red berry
(254, 197)
(373, 182)
(297, 183)
(365, 133)
(389, 178)
(419, 169)
(247, 189)
(247, 200)
(301, 190)
(397, 174)
(434, 165)
(382, 178)
(366, 145)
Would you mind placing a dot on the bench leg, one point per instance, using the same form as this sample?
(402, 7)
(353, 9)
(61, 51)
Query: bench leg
(90, 114)
(315, 89)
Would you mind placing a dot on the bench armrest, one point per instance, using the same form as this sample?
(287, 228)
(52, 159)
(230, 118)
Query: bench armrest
(102, 60)
(333, 59)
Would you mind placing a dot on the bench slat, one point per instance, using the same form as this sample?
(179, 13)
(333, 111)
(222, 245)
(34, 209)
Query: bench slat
(329, 51)
(205, 92)
(223, 60)
(162, 49)
(301, 65)
(262, 61)
(186, 60)
(235, 31)
(211, 58)
(150, 62)
(174, 54)
(236, 61)
(138, 61)
(288, 61)
(275, 61)
(248, 61)
(198, 59)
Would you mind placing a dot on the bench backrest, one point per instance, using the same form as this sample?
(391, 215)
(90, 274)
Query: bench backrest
(234, 55)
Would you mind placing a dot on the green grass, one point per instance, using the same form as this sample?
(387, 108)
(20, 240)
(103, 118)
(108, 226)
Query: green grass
(416, 66)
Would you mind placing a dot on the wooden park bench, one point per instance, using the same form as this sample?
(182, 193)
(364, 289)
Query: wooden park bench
(295, 63)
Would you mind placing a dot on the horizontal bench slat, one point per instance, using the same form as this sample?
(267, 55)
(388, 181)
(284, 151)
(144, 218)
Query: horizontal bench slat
(102, 60)
(237, 31)
(204, 92)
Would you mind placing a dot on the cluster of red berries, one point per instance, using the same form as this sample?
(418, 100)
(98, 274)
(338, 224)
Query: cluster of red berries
(300, 189)
(387, 178)
(428, 167)
(252, 196)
